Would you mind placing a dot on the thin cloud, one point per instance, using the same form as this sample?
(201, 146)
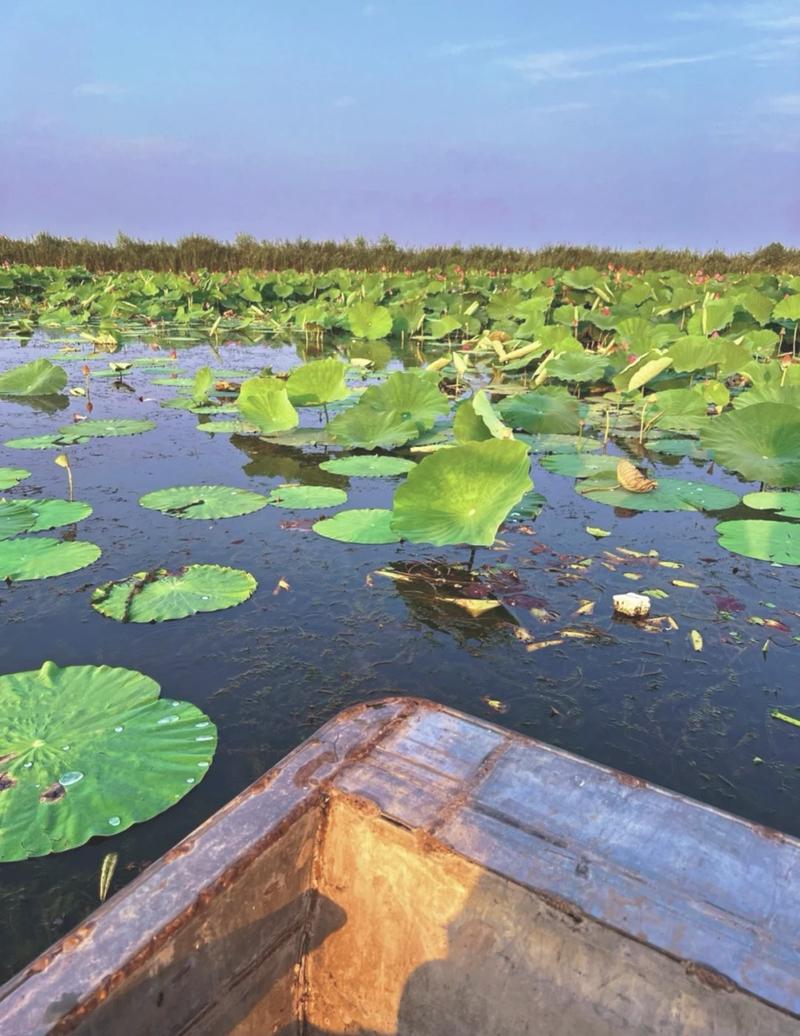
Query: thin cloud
(768, 17)
(100, 90)
(585, 62)
(560, 108)
(345, 101)
(450, 49)
(785, 104)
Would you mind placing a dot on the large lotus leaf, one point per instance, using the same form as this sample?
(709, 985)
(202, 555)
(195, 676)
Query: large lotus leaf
(476, 420)
(786, 504)
(46, 442)
(33, 557)
(582, 279)
(160, 595)
(321, 381)
(577, 366)
(369, 465)
(113, 426)
(760, 442)
(778, 542)
(296, 496)
(15, 517)
(641, 336)
(204, 502)
(671, 494)
(362, 525)
(366, 320)
(641, 371)
(546, 410)
(692, 353)
(91, 750)
(713, 315)
(37, 378)
(52, 514)
(581, 465)
(264, 403)
(677, 408)
(10, 477)
(463, 494)
(768, 392)
(788, 308)
(391, 414)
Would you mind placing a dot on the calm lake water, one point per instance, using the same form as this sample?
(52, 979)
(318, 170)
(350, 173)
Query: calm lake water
(273, 669)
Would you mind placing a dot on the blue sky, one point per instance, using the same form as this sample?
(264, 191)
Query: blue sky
(521, 123)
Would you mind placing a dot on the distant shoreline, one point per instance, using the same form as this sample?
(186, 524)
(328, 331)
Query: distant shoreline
(245, 252)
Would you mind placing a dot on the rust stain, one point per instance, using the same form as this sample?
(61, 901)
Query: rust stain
(457, 802)
(767, 832)
(79, 936)
(563, 906)
(307, 770)
(181, 849)
(711, 977)
(627, 779)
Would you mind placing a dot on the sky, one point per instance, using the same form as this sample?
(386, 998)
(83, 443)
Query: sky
(514, 122)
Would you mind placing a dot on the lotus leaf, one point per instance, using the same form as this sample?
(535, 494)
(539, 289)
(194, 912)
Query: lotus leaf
(369, 466)
(546, 410)
(476, 419)
(206, 503)
(577, 367)
(671, 494)
(462, 495)
(391, 414)
(264, 403)
(318, 382)
(32, 557)
(160, 595)
(788, 308)
(10, 477)
(37, 378)
(92, 429)
(581, 465)
(760, 442)
(786, 504)
(52, 514)
(47, 442)
(362, 525)
(297, 496)
(366, 320)
(560, 443)
(15, 517)
(778, 542)
(91, 750)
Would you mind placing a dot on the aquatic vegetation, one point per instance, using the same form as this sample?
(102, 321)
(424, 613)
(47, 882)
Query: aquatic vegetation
(15, 517)
(317, 383)
(37, 378)
(778, 542)
(40, 515)
(264, 403)
(544, 411)
(785, 504)
(91, 750)
(391, 414)
(10, 477)
(37, 557)
(204, 503)
(475, 419)
(160, 595)
(366, 320)
(670, 494)
(360, 525)
(297, 496)
(463, 494)
(369, 465)
(760, 442)
(101, 429)
(46, 442)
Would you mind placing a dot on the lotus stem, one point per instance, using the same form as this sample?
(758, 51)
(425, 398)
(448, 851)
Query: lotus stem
(471, 560)
(63, 462)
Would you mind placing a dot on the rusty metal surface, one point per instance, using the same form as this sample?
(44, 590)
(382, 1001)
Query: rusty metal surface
(696, 884)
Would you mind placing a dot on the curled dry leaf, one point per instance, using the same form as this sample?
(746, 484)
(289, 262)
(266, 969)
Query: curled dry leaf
(630, 478)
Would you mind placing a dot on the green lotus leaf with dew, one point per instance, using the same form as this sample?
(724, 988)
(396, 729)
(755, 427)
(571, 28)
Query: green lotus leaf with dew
(368, 525)
(160, 595)
(89, 751)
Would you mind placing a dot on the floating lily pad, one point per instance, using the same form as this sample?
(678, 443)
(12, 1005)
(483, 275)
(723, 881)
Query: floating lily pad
(559, 443)
(361, 525)
(10, 477)
(37, 378)
(761, 442)
(580, 465)
(369, 466)
(528, 507)
(461, 495)
(160, 595)
(97, 429)
(765, 540)
(204, 502)
(32, 557)
(297, 496)
(671, 494)
(91, 750)
(15, 517)
(676, 447)
(227, 428)
(786, 504)
(47, 442)
(52, 514)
